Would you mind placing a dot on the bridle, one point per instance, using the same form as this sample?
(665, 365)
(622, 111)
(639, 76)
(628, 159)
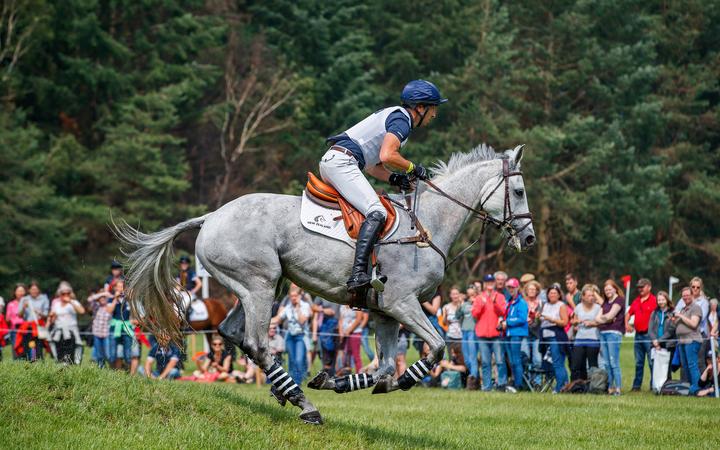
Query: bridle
(479, 213)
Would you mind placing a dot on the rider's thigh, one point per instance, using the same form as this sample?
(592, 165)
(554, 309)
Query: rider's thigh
(343, 173)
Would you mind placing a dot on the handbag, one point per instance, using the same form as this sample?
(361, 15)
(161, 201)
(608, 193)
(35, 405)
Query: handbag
(661, 363)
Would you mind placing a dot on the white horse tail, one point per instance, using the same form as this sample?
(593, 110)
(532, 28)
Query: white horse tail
(149, 282)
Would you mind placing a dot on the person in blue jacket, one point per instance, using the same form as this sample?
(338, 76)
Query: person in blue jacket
(516, 329)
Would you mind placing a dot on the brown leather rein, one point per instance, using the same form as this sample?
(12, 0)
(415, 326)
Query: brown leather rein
(480, 214)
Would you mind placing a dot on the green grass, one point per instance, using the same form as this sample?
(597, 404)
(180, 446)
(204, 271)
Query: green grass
(46, 405)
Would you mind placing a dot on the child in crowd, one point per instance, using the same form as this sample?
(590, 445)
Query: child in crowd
(97, 303)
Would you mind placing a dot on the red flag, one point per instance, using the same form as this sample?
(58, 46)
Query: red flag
(625, 280)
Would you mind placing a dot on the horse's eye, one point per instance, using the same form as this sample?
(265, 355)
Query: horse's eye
(519, 192)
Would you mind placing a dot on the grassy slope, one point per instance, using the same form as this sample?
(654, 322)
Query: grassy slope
(46, 405)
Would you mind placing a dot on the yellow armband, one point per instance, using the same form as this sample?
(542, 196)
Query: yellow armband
(410, 168)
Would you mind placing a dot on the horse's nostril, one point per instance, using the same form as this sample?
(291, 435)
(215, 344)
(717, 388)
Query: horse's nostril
(530, 240)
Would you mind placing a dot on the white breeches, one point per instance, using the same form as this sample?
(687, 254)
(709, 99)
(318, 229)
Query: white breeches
(342, 172)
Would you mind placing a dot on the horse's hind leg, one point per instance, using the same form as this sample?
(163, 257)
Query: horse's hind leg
(247, 327)
(386, 335)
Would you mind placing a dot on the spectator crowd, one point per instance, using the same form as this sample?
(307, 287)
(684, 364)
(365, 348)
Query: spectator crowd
(502, 333)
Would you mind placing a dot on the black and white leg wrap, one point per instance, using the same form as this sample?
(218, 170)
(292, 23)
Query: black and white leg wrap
(354, 382)
(414, 374)
(282, 382)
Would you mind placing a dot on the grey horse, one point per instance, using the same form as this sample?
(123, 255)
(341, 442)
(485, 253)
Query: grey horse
(253, 242)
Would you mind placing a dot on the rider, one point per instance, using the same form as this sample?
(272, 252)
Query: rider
(372, 144)
(187, 278)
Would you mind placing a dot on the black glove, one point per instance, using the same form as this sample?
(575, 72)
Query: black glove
(400, 180)
(419, 172)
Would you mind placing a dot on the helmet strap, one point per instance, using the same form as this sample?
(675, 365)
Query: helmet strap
(422, 116)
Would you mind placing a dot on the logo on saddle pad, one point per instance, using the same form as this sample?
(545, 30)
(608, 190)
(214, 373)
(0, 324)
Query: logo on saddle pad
(319, 221)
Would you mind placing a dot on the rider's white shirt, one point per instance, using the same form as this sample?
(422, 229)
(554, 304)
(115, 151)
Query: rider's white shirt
(370, 132)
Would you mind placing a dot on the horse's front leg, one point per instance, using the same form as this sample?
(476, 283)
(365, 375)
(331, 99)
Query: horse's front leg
(409, 313)
(386, 337)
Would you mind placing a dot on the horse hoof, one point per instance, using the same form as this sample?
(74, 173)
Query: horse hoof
(384, 385)
(312, 417)
(319, 380)
(278, 396)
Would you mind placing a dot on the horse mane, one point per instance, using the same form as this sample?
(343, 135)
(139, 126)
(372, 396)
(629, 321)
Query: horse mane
(458, 160)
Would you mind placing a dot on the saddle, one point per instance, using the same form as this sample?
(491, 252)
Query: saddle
(326, 195)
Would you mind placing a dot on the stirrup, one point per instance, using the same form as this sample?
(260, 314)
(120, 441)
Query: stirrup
(377, 280)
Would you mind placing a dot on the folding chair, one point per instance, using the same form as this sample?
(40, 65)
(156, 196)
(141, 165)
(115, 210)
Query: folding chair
(539, 379)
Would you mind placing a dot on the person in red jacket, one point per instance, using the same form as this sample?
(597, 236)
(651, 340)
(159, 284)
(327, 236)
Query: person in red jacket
(488, 309)
(642, 307)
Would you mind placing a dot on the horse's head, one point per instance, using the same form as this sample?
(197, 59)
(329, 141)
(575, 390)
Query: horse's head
(505, 199)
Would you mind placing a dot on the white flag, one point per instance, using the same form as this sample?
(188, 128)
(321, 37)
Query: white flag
(674, 280)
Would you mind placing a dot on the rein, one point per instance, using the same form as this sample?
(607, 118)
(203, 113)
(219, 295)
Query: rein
(480, 214)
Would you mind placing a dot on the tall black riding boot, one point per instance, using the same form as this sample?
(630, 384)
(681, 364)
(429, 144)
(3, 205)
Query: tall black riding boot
(367, 237)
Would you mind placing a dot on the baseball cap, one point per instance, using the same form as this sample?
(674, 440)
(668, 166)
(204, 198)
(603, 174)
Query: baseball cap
(513, 283)
(643, 282)
(489, 277)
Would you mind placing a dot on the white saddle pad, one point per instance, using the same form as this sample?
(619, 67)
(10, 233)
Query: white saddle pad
(321, 219)
(198, 311)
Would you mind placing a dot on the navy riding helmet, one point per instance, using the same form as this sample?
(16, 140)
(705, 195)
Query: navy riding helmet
(421, 92)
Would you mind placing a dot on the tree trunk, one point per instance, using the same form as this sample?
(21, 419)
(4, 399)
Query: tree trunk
(223, 185)
(543, 238)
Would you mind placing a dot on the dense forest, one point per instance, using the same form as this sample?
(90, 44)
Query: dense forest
(156, 110)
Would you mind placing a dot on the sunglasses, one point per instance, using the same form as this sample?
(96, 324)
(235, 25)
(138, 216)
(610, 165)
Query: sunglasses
(217, 344)
(694, 287)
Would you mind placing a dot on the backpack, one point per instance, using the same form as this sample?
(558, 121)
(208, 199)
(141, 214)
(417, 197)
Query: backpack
(598, 381)
(327, 332)
(576, 387)
(674, 387)
(451, 379)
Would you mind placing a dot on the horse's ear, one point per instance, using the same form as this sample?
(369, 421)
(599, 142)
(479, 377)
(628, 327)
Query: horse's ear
(518, 154)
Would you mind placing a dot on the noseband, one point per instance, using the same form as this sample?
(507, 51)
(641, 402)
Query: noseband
(508, 216)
